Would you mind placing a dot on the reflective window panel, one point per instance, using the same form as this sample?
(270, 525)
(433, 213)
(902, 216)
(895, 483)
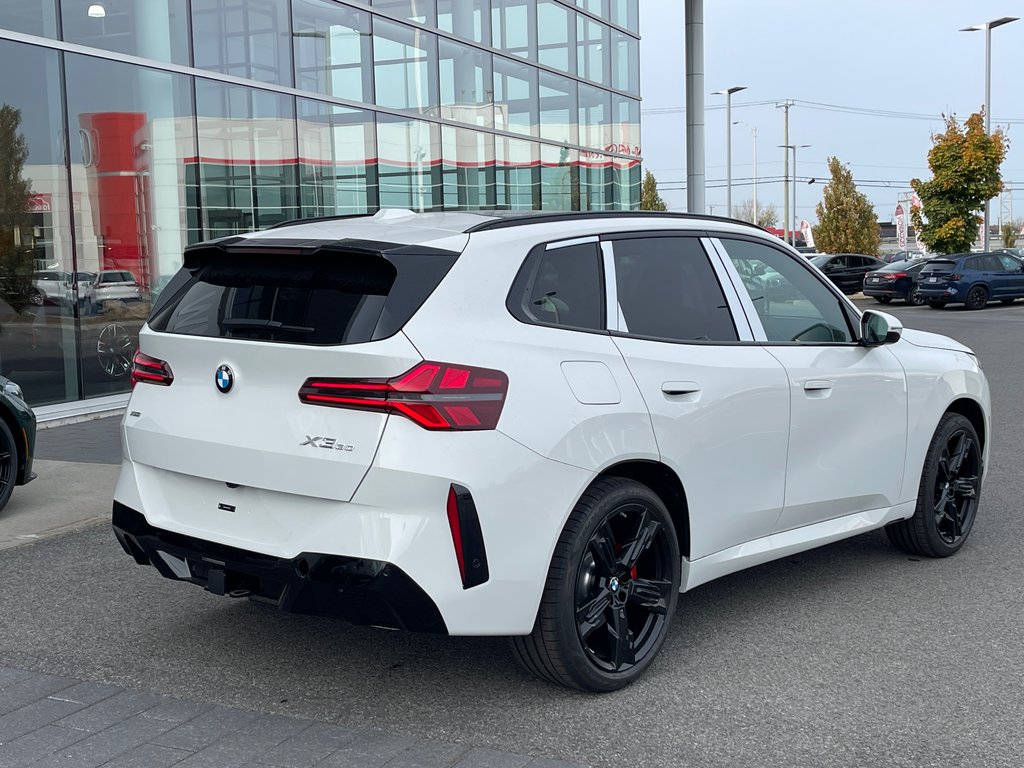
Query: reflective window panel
(556, 40)
(469, 19)
(626, 191)
(625, 62)
(132, 137)
(513, 24)
(517, 178)
(405, 67)
(420, 11)
(467, 90)
(515, 96)
(597, 7)
(626, 13)
(37, 270)
(337, 159)
(33, 17)
(592, 41)
(559, 178)
(558, 108)
(332, 49)
(595, 112)
(596, 182)
(153, 29)
(410, 163)
(468, 168)
(245, 38)
(247, 158)
(626, 125)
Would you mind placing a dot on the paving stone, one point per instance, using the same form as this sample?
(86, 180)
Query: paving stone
(543, 762)
(9, 676)
(97, 441)
(102, 747)
(31, 689)
(38, 744)
(427, 753)
(34, 716)
(370, 749)
(309, 747)
(87, 693)
(148, 756)
(205, 729)
(244, 746)
(488, 758)
(177, 711)
(112, 710)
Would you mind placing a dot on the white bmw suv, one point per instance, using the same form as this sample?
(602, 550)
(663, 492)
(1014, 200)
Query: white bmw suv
(539, 425)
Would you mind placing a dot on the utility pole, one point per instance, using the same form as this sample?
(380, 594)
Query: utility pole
(694, 52)
(785, 168)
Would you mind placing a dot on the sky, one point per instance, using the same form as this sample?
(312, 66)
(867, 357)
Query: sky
(898, 57)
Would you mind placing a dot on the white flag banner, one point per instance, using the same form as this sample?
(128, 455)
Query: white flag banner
(805, 227)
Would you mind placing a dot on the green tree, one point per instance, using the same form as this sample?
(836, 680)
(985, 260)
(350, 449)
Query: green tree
(650, 200)
(964, 161)
(15, 191)
(767, 215)
(846, 218)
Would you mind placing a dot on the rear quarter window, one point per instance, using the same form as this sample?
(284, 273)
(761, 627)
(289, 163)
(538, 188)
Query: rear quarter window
(560, 286)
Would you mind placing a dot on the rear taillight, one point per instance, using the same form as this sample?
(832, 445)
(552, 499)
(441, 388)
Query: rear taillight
(434, 395)
(150, 370)
(954, 277)
(893, 276)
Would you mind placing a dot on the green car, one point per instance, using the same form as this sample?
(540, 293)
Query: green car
(17, 439)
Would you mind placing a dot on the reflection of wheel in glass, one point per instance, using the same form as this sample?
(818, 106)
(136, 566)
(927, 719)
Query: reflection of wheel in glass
(114, 350)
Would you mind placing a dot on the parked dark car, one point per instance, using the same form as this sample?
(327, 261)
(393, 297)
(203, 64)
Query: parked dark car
(847, 270)
(17, 439)
(972, 279)
(895, 281)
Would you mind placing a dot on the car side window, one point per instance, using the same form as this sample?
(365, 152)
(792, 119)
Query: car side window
(560, 286)
(790, 300)
(992, 263)
(1010, 264)
(667, 289)
(975, 263)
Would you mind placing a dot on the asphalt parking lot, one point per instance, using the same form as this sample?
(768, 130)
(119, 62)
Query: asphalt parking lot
(852, 654)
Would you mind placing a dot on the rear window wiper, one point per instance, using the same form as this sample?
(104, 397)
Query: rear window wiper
(277, 325)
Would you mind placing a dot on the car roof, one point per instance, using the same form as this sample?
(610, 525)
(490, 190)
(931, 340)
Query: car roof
(402, 226)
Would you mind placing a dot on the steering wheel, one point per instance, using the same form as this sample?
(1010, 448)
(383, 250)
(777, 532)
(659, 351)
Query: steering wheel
(810, 328)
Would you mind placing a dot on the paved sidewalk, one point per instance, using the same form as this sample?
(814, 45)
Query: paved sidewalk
(57, 721)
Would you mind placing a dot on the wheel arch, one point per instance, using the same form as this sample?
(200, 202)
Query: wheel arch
(973, 412)
(663, 480)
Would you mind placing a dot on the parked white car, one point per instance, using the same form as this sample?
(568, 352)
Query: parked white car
(109, 285)
(54, 285)
(537, 425)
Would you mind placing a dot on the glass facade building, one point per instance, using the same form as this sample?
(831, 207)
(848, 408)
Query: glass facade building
(132, 128)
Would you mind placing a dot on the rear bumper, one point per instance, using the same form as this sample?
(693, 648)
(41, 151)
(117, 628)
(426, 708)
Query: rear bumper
(879, 290)
(358, 590)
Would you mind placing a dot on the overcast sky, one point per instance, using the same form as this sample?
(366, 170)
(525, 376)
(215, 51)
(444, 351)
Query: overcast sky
(905, 57)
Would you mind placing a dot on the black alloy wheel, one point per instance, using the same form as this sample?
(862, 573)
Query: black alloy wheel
(611, 591)
(914, 297)
(8, 463)
(949, 494)
(977, 297)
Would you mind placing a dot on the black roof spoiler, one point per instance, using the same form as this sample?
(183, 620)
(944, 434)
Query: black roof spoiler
(195, 256)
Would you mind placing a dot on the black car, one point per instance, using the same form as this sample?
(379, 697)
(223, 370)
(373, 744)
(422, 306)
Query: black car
(847, 270)
(17, 439)
(896, 281)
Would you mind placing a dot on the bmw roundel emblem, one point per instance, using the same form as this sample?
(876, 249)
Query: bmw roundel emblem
(225, 379)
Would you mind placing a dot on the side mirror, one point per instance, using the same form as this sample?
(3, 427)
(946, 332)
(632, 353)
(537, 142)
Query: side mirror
(877, 328)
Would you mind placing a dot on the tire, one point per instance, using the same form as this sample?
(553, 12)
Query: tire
(617, 521)
(883, 299)
(1007, 301)
(977, 297)
(914, 297)
(8, 463)
(936, 304)
(941, 534)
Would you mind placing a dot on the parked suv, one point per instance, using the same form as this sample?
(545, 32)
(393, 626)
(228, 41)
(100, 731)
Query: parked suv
(973, 279)
(544, 426)
(847, 270)
(17, 439)
(112, 284)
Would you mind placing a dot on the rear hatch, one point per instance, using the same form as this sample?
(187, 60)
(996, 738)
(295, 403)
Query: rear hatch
(937, 274)
(240, 330)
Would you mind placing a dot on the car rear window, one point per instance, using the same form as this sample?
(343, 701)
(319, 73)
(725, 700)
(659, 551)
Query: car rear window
(323, 299)
(939, 265)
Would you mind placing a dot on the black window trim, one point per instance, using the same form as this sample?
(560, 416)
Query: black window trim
(850, 312)
(701, 236)
(532, 262)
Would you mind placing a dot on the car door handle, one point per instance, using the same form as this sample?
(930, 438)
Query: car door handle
(680, 388)
(817, 385)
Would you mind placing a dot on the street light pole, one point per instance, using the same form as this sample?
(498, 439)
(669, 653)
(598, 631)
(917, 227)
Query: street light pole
(753, 132)
(728, 92)
(793, 147)
(987, 27)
